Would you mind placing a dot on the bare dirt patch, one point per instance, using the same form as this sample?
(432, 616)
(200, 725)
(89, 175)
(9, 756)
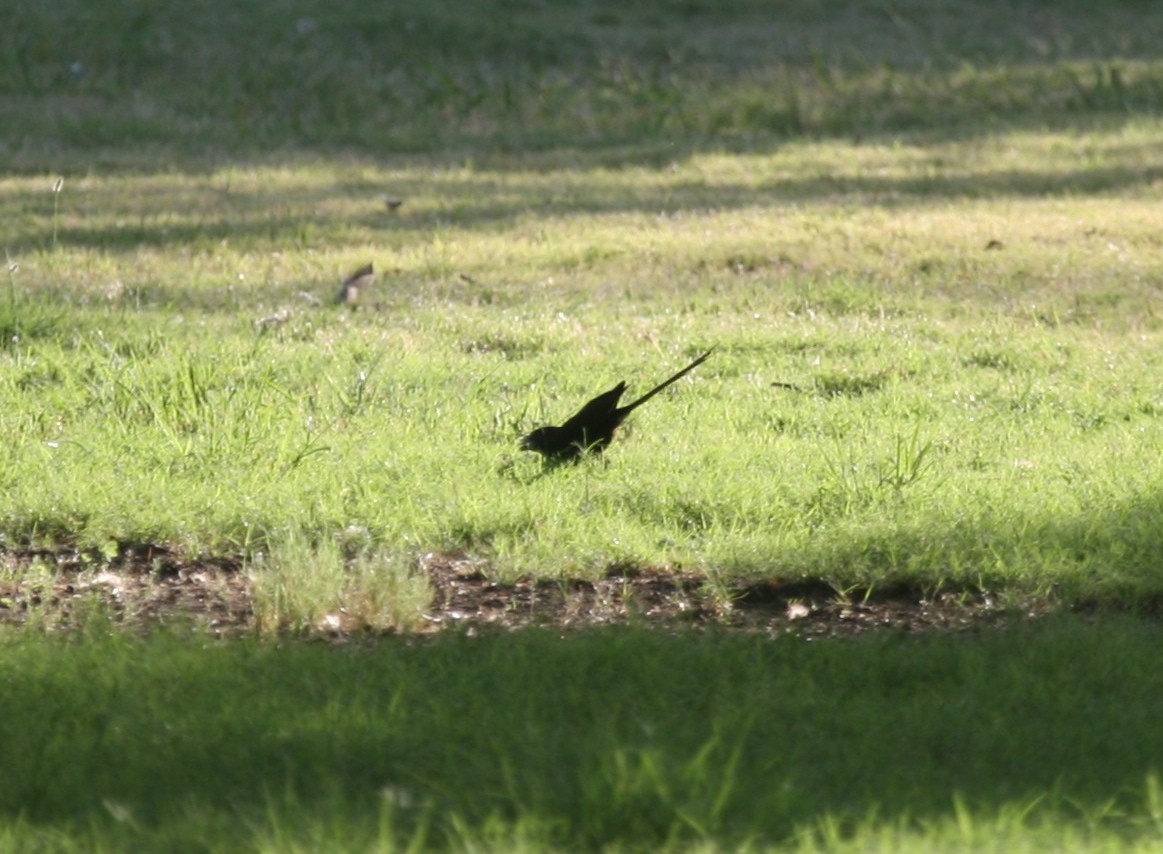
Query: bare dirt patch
(144, 588)
(148, 587)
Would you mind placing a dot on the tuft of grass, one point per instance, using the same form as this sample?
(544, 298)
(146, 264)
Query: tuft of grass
(316, 586)
(58, 185)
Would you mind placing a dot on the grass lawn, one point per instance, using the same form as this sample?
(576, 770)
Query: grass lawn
(1039, 738)
(923, 240)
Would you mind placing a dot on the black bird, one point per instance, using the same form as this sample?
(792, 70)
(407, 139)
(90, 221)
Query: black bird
(592, 428)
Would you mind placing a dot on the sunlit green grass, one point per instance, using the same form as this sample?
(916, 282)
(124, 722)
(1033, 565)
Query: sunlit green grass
(976, 413)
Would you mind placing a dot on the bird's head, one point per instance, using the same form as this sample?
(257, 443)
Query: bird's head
(540, 440)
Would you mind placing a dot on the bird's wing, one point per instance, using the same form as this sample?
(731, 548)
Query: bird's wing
(598, 408)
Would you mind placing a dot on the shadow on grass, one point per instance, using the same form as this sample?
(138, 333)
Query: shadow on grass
(160, 216)
(247, 81)
(194, 91)
(602, 738)
(1109, 558)
(506, 75)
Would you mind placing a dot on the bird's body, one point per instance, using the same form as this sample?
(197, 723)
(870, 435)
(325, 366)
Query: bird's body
(592, 427)
(358, 281)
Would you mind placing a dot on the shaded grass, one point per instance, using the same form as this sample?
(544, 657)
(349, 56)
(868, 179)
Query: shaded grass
(518, 76)
(626, 738)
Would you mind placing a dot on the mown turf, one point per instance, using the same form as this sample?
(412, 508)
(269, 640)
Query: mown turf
(923, 239)
(629, 739)
(513, 75)
(145, 400)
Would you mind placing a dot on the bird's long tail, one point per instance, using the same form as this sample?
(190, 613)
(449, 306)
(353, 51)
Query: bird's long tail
(665, 383)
